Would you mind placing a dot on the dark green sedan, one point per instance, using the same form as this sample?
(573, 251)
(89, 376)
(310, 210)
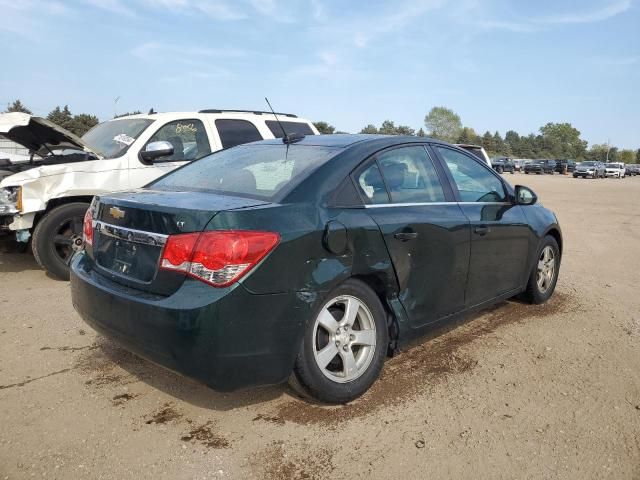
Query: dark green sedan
(309, 260)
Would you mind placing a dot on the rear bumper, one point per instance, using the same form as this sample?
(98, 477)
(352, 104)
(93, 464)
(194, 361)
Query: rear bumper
(226, 338)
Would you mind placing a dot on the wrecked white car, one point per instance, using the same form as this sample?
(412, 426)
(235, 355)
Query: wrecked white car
(44, 199)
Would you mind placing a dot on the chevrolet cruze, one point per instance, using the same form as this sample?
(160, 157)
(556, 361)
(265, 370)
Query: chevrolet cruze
(308, 259)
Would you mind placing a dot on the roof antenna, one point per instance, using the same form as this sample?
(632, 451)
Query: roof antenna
(286, 138)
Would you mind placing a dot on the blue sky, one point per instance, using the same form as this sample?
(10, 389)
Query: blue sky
(499, 64)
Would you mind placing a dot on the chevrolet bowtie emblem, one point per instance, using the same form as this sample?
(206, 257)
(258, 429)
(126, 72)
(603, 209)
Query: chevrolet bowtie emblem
(115, 212)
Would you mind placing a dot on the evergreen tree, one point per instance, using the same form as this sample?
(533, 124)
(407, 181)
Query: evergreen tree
(17, 106)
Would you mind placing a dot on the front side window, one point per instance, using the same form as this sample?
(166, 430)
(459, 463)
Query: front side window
(236, 132)
(188, 137)
(475, 182)
(410, 175)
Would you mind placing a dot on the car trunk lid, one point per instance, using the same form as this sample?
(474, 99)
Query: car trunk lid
(131, 229)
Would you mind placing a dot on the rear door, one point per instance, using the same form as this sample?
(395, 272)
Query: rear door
(426, 233)
(499, 231)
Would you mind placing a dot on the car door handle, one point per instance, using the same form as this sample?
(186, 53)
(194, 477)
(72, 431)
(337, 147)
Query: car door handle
(481, 230)
(405, 236)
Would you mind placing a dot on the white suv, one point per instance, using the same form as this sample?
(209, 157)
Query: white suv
(48, 195)
(615, 170)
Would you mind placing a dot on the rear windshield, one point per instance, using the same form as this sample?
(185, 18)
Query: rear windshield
(256, 171)
(476, 151)
(289, 127)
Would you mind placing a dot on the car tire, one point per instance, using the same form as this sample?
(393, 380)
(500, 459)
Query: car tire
(320, 370)
(542, 282)
(57, 236)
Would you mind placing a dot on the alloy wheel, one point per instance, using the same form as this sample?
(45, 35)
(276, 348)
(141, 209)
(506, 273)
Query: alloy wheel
(546, 269)
(344, 339)
(68, 239)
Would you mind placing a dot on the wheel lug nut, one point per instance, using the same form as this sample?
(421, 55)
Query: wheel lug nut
(337, 331)
(345, 348)
(337, 343)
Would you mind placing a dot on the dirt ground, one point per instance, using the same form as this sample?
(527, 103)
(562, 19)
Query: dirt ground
(518, 392)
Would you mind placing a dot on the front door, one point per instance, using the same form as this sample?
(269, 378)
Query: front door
(190, 142)
(499, 231)
(426, 233)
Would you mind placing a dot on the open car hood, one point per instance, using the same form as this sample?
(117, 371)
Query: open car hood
(39, 135)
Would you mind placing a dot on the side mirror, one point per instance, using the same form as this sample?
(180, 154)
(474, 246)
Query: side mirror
(155, 150)
(525, 196)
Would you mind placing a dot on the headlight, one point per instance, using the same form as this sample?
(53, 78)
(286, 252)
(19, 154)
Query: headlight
(10, 200)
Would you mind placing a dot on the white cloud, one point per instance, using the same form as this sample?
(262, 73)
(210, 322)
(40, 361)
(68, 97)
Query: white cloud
(155, 51)
(604, 13)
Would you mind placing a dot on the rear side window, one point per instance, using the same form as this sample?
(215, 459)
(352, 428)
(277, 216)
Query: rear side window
(410, 175)
(401, 175)
(475, 182)
(289, 127)
(236, 132)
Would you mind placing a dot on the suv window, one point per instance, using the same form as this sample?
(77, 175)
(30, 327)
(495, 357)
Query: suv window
(188, 137)
(289, 127)
(475, 182)
(236, 132)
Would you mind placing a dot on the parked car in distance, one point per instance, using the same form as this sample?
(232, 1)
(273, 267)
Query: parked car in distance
(534, 166)
(309, 260)
(615, 170)
(549, 166)
(477, 150)
(589, 168)
(503, 164)
(46, 199)
(518, 165)
(570, 166)
(632, 170)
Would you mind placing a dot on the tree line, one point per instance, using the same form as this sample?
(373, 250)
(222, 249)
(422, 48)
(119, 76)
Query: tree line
(553, 140)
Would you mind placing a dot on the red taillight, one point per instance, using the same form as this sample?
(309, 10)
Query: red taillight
(218, 258)
(87, 227)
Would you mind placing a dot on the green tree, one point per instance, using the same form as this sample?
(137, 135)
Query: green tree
(563, 140)
(388, 128)
(468, 136)
(614, 154)
(17, 106)
(627, 156)
(371, 129)
(404, 130)
(443, 123)
(487, 143)
(82, 123)
(61, 117)
(498, 144)
(324, 128)
(638, 156)
(422, 134)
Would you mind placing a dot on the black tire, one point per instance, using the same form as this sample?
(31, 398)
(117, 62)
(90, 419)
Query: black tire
(533, 293)
(307, 375)
(499, 169)
(55, 238)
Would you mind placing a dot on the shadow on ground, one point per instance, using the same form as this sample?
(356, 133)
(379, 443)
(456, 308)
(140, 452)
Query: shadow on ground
(437, 355)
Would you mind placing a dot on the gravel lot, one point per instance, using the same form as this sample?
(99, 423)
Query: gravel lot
(518, 392)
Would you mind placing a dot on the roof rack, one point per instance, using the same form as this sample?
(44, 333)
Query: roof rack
(255, 112)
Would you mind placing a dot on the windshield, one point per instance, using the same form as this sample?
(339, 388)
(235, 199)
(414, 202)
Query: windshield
(612, 165)
(588, 164)
(256, 171)
(113, 138)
